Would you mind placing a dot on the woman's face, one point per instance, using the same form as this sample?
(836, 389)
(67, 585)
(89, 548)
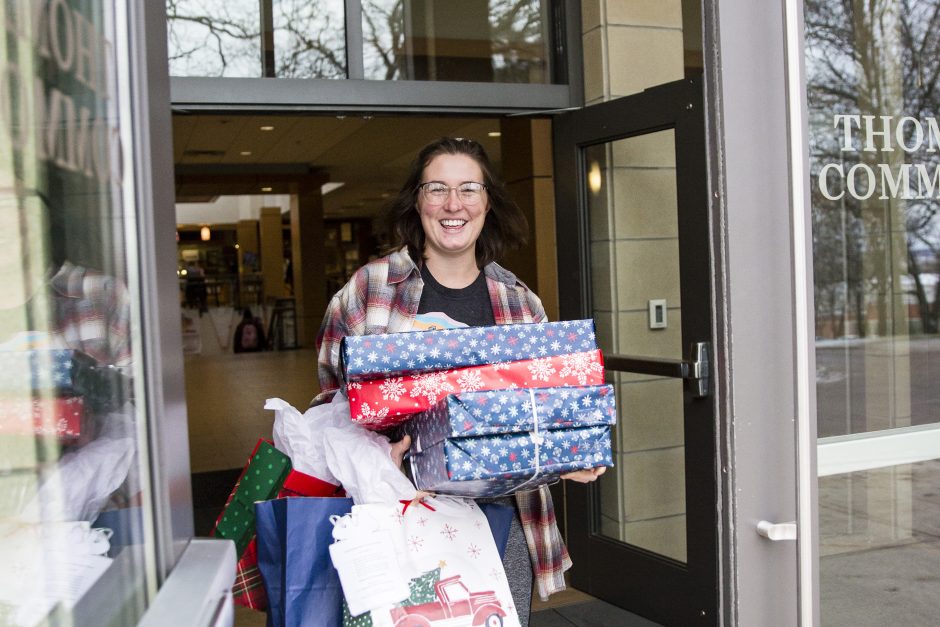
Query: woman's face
(452, 228)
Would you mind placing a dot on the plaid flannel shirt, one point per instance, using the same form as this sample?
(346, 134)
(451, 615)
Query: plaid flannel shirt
(383, 297)
(92, 313)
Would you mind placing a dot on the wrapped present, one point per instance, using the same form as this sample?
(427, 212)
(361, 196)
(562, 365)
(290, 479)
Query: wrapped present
(61, 417)
(379, 404)
(45, 369)
(64, 372)
(301, 484)
(491, 443)
(402, 354)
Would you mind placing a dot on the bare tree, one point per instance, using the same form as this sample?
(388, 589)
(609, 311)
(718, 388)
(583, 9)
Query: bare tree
(872, 57)
(310, 40)
(213, 38)
(224, 38)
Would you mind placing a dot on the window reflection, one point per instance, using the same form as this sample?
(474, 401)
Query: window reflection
(309, 39)
(501, 41)
(72, 494)
(214, 38)
(230, 38)
(873, 100)
(872, 92)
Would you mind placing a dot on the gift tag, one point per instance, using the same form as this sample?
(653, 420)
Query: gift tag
(369, 571)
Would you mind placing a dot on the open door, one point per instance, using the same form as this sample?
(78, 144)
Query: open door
(634, 254)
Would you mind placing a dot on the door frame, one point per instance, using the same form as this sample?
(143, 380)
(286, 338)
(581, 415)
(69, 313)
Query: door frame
(668, 591)
(763, 288)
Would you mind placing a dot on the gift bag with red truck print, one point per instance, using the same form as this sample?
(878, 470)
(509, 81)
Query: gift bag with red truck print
(461, 581)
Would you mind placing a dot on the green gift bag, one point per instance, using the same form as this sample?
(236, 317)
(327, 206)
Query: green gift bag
(260, 481)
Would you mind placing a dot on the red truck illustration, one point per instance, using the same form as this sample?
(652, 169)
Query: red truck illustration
(454, 601)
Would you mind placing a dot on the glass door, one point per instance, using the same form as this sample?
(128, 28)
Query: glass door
(631, 188)
(872, 104)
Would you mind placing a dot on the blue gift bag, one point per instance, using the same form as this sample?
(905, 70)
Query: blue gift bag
(499, 516)
(294, 535)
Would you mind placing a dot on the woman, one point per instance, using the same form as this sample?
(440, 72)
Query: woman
(449, 223)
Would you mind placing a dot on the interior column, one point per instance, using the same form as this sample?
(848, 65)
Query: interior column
(526, 146)
(306, 219)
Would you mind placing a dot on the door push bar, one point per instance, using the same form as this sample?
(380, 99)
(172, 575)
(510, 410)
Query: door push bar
(695, 370)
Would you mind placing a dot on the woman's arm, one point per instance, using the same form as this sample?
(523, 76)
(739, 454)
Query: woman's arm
(332, 330)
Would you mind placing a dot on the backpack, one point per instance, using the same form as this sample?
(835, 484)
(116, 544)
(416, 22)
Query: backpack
(249, 336)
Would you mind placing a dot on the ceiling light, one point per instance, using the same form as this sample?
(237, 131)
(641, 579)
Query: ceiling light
(266, 128)
(326, 188)
(205, 234)
(266, 189)
(594, 178)
(245, 153)
(494, 133)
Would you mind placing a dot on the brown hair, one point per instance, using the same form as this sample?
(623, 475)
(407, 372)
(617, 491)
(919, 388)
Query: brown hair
(505, 226)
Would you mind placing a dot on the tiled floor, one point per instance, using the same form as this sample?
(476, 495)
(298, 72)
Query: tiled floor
(225, 396)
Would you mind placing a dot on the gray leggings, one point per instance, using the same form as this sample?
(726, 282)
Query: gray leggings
(516, 562)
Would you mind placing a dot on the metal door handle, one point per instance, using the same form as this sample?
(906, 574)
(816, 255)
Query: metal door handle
(695, 370)
(777, 531)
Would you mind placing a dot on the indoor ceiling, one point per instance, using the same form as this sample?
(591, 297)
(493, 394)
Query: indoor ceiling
(370, 155)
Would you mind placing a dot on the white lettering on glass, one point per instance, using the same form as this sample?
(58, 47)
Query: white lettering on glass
(68, 130)
(882, 134)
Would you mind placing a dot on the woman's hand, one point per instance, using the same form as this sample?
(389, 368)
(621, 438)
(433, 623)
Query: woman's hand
(399, 449)
(585, 476)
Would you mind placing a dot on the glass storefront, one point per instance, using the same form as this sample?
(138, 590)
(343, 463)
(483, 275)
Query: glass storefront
(74, 489)
(873, 102)
(494, 41)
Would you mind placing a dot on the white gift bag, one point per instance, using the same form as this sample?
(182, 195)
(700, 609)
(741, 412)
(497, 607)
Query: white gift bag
(458, 576)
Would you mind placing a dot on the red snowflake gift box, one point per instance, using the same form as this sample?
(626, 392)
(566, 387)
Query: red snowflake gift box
(63, 417)
(383, 403)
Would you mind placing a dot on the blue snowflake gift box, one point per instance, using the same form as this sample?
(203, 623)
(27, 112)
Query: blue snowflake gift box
(492, 443)
(367, 357)
(61, 373)
(58, 370)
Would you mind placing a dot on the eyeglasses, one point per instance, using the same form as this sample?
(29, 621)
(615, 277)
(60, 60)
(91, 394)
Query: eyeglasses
(436, 193)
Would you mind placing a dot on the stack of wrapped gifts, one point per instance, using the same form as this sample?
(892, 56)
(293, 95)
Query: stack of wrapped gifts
(491, 410)
(48, 392)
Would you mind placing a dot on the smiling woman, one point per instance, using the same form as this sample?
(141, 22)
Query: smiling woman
(450, 222)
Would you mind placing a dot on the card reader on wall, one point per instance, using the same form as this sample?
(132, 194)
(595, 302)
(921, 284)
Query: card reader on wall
(657, 313)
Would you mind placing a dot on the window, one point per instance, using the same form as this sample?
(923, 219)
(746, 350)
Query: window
(873, 103)
(495, 41)
(74, 493)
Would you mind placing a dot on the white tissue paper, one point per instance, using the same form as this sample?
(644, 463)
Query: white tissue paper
(83, 480)
(300, 435)
(362, 462)
(325, 443)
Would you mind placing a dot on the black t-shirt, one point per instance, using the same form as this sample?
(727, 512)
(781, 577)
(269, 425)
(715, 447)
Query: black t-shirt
(443, 307)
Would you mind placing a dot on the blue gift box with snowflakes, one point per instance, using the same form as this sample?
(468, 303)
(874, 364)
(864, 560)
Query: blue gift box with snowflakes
(365, 357)
(63, 371)
(493, 443)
